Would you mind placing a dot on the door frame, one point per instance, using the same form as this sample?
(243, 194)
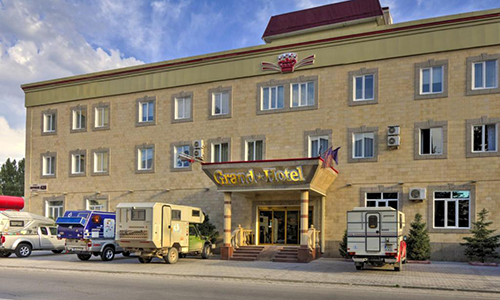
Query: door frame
(379, 226)
(273, 208)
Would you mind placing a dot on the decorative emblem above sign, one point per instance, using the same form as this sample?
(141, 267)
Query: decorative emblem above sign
(287, 63)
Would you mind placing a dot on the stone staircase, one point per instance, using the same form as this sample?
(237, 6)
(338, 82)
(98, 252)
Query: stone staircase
(287, 254)
(247, 253)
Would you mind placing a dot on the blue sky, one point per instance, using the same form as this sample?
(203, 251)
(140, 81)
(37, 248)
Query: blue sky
(46, 39)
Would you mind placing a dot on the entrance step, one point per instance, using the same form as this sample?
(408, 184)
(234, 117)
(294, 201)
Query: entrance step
(247, 253)
(287, 254)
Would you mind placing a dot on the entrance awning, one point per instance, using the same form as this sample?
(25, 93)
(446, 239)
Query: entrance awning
(271, 175)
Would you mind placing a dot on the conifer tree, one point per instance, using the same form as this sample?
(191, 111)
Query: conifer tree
(482, 244)
(418, 241)
(343, 246)
(208, 229)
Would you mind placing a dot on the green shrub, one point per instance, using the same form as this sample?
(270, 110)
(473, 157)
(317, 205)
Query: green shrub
(418, 241)
(208, 229)
(343, 246)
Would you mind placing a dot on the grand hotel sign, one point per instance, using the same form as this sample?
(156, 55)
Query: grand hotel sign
(289, 174)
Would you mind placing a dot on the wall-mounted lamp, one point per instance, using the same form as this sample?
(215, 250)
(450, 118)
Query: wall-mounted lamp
(97, 192)
(65, 193)
(473, 181)
(401, 183)
(166, 190)
(348, 184)
(130, 191)
(207, 189)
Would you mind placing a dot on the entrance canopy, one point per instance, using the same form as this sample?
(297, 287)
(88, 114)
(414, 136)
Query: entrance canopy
(271, 175)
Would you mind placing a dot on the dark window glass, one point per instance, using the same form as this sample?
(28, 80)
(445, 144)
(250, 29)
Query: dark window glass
(176, 215)
(463, 213)
(53, 231)
(390, 195)
(138, 215)
(371, 203)
(393, 204)
(425, 138)
(373, 196)
(477, 142)
(438, 213)
(461, 194)
(382, 204)
(372, 221)
(452, 221)
(44, 231)
(16, 223)
(192, 231)
(442, 195)
(196, 213)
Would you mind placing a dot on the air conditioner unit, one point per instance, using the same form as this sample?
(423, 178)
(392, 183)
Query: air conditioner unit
(199, 144)
(393, 130)
(198, 153)
(393, 141)
(417, 194)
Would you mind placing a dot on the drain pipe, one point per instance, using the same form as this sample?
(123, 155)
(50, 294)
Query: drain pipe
(323, 214)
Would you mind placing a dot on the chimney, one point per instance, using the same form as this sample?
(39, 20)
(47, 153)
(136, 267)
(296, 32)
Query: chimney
(387, 16)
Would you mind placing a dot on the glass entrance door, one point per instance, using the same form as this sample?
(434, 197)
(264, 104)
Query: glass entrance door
(279, 226)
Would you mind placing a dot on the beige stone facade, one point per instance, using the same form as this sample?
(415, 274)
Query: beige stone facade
(393, 169)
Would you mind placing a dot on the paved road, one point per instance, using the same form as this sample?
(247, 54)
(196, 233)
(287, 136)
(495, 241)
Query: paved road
(54, 285)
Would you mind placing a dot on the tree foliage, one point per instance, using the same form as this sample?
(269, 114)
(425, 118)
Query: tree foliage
(343, 246)
(12, 178)
(418, 241)
(208, 229)
(482, 244)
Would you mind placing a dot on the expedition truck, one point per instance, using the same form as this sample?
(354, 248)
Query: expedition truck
(89, 233)
(375, 237)
(161, 230)
(23, 232)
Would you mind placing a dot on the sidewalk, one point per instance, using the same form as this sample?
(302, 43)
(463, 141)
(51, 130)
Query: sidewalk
(438, 275)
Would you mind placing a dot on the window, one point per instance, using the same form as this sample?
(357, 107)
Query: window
(484, 138)
(94, 204)
(382, 200)
(49, 122)
(318, 145)
(273, 97)
(101, 117)
(431, 141)
(303, 94)
(220, 152)
(101, 162)
(54, 209)
(372, 222)
(179, 163)
(431, 80)
(364, 87)
(484, 74)
(364, 146)
(145, 159)
(77, 163)
(220, 103)
(138, 215)
(195, 213)
(53, 230)
(182, 108)
(146, 111)
(254, 150)
(176, 215)
(16, 223)
(452, 209)
(44, 231)
(79, 119)
(49, 165)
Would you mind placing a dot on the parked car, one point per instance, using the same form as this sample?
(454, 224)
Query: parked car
(375, 237)
(23, 232)
(90, 233)
(161, 230)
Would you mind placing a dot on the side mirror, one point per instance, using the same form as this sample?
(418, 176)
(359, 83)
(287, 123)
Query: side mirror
(404, 238)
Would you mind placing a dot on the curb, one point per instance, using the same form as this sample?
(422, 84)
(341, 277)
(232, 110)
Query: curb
(260, 279)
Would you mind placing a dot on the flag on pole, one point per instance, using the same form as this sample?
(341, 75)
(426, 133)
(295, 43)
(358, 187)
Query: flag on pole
(329, 156)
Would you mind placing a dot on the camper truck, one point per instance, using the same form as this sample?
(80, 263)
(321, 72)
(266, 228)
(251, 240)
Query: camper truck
(23, 232)
(89, 233)
(161, 230)
(375, 237)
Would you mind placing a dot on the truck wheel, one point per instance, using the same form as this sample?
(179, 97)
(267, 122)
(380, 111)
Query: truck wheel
(5, 254)
(172, 256)
(126, 253)
(359, 266)
(57, 251)
(206, 251)
(145, 260)
(108, 254)
(23, 250)
(84, 257)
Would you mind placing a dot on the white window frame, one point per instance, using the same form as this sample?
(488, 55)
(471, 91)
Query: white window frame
(446, 200)
(140, 155)
(141, 111)
(254, 146)
(176, 156)
(103, 207)
(483, 138)
(186, 108)
(77, 119)
(483, 87)
(220, 152)
(363, 89)
(49, 122)
(318, 139)
(430, 137)
(431, 77)
(47, 161)
(76, 163)
(214, 99)
(96, 167)
(100, 122)
(306, 83)
(362, 144)
(269, 101)
(50, 210)
(382, 199)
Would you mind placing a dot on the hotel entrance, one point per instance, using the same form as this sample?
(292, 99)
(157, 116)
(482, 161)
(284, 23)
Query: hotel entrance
(280, 225)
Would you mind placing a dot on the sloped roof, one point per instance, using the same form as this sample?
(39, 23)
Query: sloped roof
(322, 15)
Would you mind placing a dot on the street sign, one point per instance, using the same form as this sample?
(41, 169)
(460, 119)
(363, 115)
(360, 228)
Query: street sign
(38, 187)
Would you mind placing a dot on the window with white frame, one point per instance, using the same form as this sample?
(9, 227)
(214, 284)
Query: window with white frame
(303, 94)
(101, 162)
(145, 156)
(431, 80)
(273, 97)
(48, 165)
(146, 111)
(77, 163)
(431, 141)
(485, 138)
(79, 119)
(96, 204)
(254, 150)
(179, 163)
(183, 108)
(484, 74)
(220, 152)
(364, 145)
(317, 145)
(49, 122)
(101, 117)
(54, 209)
(452, 209)
(220, 103)
(363, 87)
(382, 200)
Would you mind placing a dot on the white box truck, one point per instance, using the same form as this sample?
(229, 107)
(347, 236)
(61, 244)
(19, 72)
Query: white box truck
(375, 237)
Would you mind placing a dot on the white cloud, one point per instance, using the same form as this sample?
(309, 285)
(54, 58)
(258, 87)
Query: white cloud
(11, 142)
